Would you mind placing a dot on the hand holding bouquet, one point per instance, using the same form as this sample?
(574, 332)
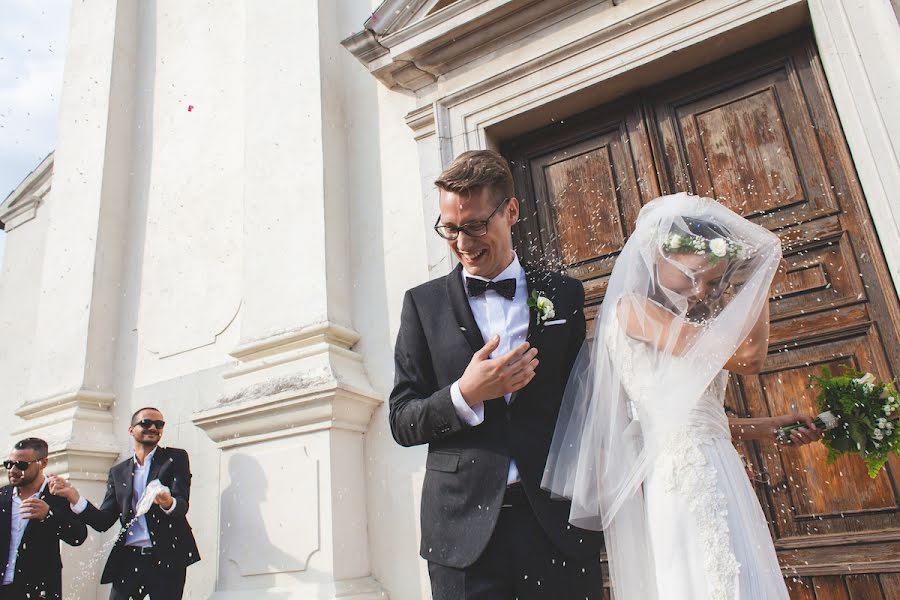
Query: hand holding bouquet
(859, 414)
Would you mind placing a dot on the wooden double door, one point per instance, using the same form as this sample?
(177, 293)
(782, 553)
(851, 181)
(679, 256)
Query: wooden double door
(758, 132)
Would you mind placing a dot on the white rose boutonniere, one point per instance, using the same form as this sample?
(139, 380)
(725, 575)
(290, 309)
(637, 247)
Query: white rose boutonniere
(542, 305)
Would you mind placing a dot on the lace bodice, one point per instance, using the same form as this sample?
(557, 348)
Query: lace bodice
(633, 363)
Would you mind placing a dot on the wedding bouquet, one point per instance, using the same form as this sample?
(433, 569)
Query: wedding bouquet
(858, 414)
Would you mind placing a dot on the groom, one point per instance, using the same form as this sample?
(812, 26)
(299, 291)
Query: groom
(479, 378)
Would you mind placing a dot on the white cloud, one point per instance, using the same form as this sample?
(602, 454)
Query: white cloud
(32, 53)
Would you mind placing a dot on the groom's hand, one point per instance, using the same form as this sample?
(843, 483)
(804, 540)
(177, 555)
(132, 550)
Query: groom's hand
(486, 378)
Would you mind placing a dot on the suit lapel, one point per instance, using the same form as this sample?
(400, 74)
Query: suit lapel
(31, 524)
(5, 521)
(537, 281)
(127, 476)
(459, 303)
(156, 464)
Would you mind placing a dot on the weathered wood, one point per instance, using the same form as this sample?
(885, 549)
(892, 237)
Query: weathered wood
(757, 131)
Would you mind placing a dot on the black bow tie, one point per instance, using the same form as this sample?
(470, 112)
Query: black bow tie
(506, 287)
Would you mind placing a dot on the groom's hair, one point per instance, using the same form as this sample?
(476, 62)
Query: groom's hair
(476, 169)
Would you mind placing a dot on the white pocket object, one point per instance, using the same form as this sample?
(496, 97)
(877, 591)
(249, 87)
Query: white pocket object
(150, 493)
(556, 322)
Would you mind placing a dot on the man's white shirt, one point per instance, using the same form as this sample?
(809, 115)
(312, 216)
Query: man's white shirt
(17, 527)
(138, 535)
(495, 315)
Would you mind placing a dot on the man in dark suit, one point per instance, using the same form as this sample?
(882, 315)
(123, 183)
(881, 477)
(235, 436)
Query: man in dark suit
(153, 551)
(486, 409)
(32, 521)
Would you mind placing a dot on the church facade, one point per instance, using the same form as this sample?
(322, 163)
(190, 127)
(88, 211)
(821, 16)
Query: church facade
(242, 192)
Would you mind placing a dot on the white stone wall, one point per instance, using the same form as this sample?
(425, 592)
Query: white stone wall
(256, 249)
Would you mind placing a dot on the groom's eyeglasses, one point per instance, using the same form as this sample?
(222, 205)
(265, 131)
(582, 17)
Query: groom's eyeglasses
(471, 229)
(21, 465)
(148, 423)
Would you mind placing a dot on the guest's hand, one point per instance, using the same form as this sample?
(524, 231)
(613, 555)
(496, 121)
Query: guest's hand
(164, 500)
(62, 488)
(487, 378)
(35, 509)
(807, 434)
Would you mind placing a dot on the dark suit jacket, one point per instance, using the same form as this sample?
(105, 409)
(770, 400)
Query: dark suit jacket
(466, 469)
(173, 541)
(38, 566)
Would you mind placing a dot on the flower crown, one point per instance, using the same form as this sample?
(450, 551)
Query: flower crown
(715, 249)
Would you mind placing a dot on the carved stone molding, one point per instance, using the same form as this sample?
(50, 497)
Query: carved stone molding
(22, 204)
(294, 382)
(78, 427)
(410, 44)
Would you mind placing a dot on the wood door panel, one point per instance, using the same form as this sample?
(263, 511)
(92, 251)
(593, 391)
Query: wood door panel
(743, 135)
(800, 588)
(760, 173)
(808, 496)
(580, 194)
(822, 276)
(587, 210)
(845, 554)
(890, 584)
(863, 587)
(830, 588)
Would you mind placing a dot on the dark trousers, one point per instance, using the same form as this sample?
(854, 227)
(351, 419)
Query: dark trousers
(26, 591)
(519, 563)
(11, 592)
(142, 576)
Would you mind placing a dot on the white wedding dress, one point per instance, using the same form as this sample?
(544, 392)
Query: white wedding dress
(708, 534)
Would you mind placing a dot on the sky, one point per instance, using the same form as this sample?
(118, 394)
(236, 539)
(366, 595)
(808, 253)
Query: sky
(32, 52)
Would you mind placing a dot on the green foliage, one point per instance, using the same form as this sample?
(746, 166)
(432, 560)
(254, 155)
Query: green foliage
(866, 413)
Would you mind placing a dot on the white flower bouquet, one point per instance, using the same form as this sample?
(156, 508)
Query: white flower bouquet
(859, 414)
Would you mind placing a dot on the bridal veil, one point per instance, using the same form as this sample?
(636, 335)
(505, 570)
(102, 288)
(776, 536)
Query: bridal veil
(605, 441)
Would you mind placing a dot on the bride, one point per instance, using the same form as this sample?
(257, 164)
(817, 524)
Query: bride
(643, 446)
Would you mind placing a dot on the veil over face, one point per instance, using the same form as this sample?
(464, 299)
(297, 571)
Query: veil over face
(689, 285)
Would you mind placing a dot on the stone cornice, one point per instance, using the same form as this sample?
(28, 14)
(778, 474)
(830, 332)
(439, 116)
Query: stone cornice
(296, 381)
(72, 399)
(22, 203)
(78, 427)
(413, 52)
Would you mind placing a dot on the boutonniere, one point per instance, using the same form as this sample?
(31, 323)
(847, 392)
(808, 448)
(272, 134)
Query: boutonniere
(542, 305)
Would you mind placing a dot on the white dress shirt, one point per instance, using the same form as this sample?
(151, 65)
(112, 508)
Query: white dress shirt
(495, 315)
(16, 530)
(137, 535)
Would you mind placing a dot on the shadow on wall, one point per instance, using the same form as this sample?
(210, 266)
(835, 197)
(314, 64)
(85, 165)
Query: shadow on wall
(246, 546)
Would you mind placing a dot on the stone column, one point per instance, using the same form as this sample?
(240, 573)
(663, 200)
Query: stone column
(297, 402)
(70, 391)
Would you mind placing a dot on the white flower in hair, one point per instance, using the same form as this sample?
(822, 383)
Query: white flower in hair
(718, 246)
(674, 241)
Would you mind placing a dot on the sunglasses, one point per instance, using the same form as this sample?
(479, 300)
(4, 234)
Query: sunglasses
(148, 423)
(21, 465)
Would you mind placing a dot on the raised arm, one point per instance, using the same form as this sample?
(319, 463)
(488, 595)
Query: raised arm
(751, 354)
(99, 519)
(650, 323)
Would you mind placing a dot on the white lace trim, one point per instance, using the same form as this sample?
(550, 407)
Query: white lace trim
(687, 472)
